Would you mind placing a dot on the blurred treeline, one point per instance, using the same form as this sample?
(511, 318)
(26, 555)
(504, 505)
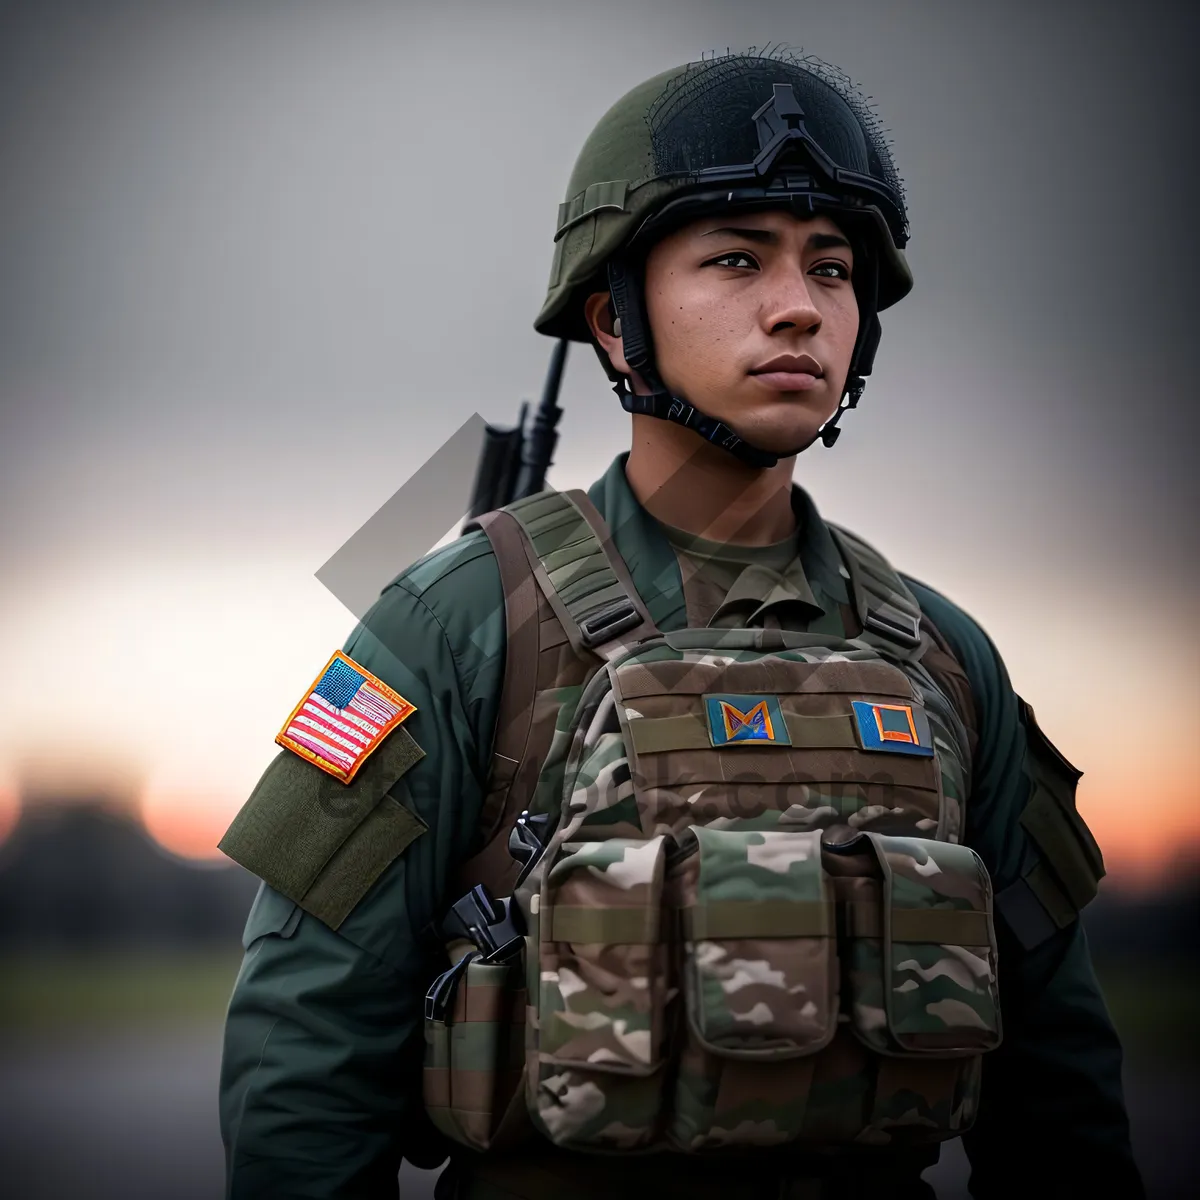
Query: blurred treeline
(96, 920)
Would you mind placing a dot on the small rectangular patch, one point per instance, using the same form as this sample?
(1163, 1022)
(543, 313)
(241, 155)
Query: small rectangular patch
(896, 728)
(343, 717)
(735, 720)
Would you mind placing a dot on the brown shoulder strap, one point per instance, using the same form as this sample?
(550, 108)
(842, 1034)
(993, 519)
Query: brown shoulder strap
(569, 603)
(514, 719)
(603, 535)
(581, 573)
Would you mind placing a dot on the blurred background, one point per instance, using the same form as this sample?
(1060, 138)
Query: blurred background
(259, 261)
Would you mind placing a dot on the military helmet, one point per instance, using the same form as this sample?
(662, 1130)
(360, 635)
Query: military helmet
(734, 132)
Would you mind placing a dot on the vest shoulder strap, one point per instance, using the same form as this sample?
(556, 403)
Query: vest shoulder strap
(569, 603)
(521, 654)
(581, 573)
(886, 609)
(892, 618)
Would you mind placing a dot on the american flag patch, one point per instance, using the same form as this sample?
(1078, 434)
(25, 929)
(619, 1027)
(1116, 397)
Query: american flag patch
(343, 717)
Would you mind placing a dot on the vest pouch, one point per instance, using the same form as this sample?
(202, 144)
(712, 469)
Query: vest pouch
(474, 1055)
(596, 1052)
(921, 984)
(937, 952)
(759, 971)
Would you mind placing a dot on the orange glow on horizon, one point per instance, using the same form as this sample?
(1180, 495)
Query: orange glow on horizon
(1144, 855)
(188, 822)
(1138, 855)
(10, 810)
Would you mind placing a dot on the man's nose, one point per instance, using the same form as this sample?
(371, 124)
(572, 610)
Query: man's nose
(789, 303)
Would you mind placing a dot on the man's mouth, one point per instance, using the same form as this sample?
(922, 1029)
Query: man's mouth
(789, 372)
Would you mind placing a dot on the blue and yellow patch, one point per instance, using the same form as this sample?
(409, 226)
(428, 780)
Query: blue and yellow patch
(896, 728)
(734, 720)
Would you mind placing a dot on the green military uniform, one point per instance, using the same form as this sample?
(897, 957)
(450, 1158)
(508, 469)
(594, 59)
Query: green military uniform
(321, 1092)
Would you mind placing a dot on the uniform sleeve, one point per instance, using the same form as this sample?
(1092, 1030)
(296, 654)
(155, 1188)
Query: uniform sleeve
(320, 1079)
(1052, 1092)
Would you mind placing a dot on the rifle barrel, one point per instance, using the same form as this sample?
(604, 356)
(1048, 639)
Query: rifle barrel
(537, 454)
(499, 462)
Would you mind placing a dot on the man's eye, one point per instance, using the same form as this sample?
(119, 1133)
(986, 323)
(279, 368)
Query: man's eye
(735, 258)
(832, 270)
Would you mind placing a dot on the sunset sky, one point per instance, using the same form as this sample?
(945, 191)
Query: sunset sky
(260, 261)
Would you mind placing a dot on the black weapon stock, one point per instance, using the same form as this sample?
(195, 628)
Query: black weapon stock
(513, 461)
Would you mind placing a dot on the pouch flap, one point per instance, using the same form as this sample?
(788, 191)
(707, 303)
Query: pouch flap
(759, 951)
(601, 962)
(321, 842)
(939, 948)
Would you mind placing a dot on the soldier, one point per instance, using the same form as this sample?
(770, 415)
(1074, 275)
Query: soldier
(786, 845)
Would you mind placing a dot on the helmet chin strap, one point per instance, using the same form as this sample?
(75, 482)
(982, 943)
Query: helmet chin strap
(630, 325)
(666, 407)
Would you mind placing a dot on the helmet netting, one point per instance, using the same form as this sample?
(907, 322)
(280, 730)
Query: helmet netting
(699, 119)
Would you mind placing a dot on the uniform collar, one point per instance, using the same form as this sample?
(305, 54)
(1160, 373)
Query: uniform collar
(815, 578)
(758, 590)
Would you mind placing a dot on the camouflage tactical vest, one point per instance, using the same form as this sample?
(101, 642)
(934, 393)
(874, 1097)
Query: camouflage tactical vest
(753, 924)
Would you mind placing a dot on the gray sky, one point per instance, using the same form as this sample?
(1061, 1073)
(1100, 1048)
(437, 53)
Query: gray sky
(259, 260)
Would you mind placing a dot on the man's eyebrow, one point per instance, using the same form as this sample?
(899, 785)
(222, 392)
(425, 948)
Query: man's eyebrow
(751, 235)
(816, 241)
(827, 241)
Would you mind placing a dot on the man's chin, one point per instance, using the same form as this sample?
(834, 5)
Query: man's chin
(785, 426)
(783, 440)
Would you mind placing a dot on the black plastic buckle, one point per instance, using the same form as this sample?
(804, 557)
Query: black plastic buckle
(441, 992)
(527, 838)
(493, 925)
(607, 621)
(506, 951)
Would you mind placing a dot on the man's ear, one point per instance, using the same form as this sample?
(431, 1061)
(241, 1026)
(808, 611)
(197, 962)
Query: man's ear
(597, 308)
(598, 311)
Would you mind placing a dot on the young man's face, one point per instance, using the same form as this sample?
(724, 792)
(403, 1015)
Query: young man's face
(753, 319)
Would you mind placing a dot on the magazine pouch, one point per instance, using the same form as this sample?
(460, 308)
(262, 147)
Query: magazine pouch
(921, 981)
(474, 1051)
(596, 1047)
(758, 963)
